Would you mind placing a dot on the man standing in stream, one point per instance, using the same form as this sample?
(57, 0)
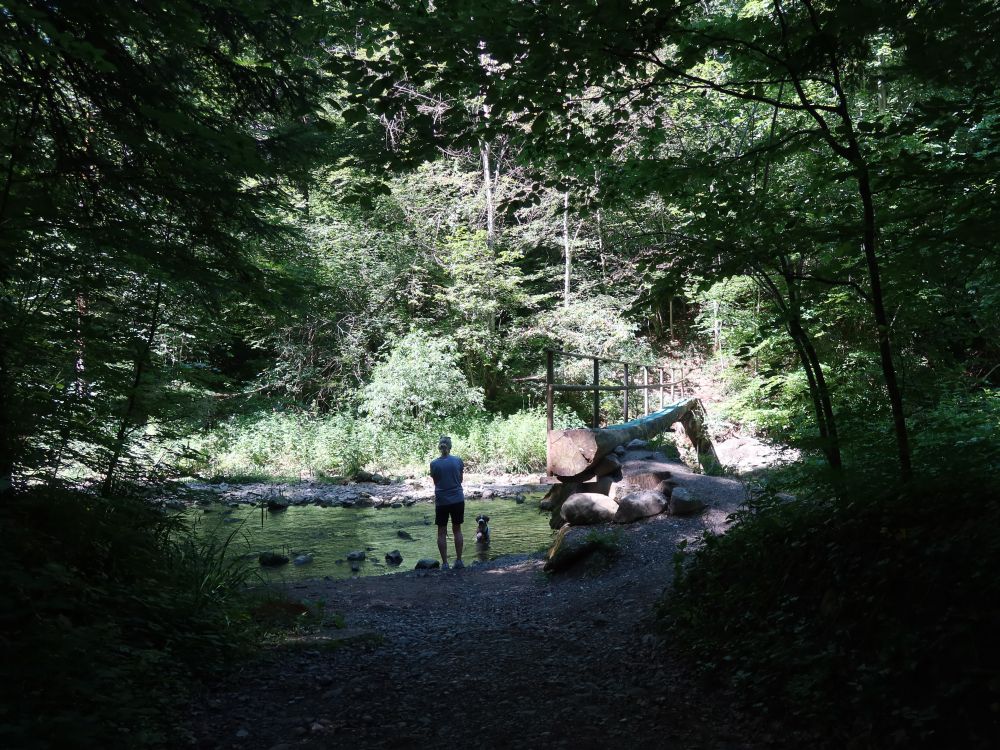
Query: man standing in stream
(449, 500)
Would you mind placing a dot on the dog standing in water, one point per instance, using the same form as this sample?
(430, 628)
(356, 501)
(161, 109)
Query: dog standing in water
(483, 530)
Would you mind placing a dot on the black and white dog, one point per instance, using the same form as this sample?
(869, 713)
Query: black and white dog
(483, 530)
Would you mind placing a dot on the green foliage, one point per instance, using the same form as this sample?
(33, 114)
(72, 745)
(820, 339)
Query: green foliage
(110, 609)
(870, 618)
(143, 201)
(419, 386)
(283, 444)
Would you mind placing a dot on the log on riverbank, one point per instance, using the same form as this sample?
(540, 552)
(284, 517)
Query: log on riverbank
(576, 454)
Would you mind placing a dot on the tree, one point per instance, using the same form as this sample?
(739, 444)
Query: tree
(146, 150)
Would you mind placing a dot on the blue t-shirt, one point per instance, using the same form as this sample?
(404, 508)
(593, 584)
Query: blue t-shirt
(447, 474)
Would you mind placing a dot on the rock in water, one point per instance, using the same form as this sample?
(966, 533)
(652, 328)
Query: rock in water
(302, 560)
(585, 508)
(394, 557)
(271, 559)
(570, 546)
(358, 554)
(427, 563)
(641, 504)
(355, 567)
(404, 535)
(681, 503)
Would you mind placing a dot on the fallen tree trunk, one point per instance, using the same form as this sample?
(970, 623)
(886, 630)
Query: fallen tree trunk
(694, 427)
(576, 453)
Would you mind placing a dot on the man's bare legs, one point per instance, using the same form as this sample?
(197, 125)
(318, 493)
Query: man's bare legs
(443, 543)
(456, 529)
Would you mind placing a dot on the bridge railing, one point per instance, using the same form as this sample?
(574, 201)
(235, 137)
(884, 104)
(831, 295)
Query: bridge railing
(667, 378)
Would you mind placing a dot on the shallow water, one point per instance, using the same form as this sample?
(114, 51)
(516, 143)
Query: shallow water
(328, 534)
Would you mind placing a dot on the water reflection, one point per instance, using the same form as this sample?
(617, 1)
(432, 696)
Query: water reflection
(328, 534)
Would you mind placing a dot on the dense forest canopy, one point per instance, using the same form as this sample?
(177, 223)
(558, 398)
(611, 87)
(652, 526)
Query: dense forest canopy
(217, 210)
(281, 243)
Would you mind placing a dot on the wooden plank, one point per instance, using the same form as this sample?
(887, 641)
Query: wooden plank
(576, 387)
(549, 395)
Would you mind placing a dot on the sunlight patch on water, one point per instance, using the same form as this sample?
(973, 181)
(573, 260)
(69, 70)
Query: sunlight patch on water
(328, 534)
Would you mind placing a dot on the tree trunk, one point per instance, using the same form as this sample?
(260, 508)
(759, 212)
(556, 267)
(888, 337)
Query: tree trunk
(850, 151)
(6, 429)
(574, 453)
(141, 360)
(490, 201)
(567, 251)
(882, 323)
(819, 393)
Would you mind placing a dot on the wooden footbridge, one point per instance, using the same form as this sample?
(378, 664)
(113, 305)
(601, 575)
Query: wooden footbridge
(581, 453)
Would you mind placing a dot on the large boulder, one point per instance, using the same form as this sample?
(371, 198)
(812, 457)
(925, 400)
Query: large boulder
(587, 508)
(683, 503)
(366, 476)
(640, 475)
(559, 493)
(640, 504)
(570, 546)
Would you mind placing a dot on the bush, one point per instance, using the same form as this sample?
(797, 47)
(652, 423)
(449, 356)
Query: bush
(871, 618)
(419, 386)
(109, 610)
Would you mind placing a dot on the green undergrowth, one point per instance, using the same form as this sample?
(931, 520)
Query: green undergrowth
(286, 443)
(871, 618)
(111, 613)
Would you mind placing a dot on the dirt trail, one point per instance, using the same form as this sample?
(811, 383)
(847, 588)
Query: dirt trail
(498, 656)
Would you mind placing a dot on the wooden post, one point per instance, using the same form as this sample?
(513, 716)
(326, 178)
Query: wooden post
(549, 393)
(550, 377)
(597, 393)
(645, 391)
(661, 388)
(673, 385)
(625, 404)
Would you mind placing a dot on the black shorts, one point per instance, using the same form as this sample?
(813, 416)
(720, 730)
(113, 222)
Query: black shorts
(455, 510)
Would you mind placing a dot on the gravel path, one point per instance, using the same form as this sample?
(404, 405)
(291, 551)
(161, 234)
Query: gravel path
(497, 656)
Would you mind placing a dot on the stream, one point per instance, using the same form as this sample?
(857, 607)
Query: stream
(328, 534)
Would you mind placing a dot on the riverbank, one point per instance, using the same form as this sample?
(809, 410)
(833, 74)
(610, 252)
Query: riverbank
(500, 655)
(375, 491)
